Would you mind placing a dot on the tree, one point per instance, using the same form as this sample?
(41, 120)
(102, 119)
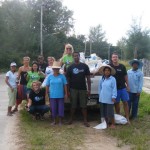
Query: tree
(138, 42)
(20, 28)
(98, 41)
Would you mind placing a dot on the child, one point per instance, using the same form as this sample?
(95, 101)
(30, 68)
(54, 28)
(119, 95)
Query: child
(107, 94)
(56, 86)
(11, 79)
(135, 79)
(37, 100)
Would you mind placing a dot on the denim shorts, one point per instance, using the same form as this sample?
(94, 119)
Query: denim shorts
(123, 95)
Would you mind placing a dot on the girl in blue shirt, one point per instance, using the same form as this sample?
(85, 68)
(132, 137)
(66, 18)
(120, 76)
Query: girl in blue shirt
(107, 94)
(56, 87)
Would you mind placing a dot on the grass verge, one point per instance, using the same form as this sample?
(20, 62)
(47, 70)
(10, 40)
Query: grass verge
(40, 135)
(138, 133)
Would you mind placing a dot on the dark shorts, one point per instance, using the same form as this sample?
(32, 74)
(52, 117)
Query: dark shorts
(107, 110)
(80, 95)
(123, 95)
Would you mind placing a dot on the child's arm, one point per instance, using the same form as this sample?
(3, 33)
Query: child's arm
(6, 80)
(140, 84)
(114, 90)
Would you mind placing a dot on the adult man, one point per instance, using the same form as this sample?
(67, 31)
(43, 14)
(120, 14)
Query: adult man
(122, 85)
(135, 77)
(42, 65)
(77, 73)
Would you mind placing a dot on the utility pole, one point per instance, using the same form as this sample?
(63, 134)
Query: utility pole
(41, 31)
(90, 47)
(109, 52)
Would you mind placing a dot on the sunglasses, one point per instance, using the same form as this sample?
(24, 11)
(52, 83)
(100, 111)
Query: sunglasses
(69, 48)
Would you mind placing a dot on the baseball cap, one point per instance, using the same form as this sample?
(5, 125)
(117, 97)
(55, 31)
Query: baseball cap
(13, 64)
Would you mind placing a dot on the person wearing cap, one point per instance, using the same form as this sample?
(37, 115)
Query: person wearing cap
(11, 81)
(135, 78)
(56, 88)
(122, 85)
(107, 94)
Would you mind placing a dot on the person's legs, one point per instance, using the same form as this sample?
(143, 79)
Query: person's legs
(60, 109)
(110, 114)
(102, 107)
(43, 109)
(130, 101)
(135, 106)
(83, 105)
(125, 99)
(117, 103)
(53, 104)
(73, 100)
(117, 107)
(12, 100)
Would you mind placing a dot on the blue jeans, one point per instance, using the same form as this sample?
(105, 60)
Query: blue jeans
(41, 109)
(133, 104)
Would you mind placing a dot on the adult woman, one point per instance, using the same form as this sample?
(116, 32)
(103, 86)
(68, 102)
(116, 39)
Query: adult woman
(33, 75)
(57, 89)
(22, 86)
(67, 58)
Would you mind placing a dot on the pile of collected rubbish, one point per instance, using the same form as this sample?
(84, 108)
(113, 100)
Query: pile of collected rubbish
(93, 61)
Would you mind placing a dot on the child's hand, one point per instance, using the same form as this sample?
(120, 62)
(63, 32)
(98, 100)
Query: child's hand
(113, 100)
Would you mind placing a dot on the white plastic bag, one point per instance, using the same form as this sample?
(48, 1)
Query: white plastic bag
(102, 125)
(120, 119)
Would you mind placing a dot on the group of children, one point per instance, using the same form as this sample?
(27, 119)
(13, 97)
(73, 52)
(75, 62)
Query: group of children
(54, 84)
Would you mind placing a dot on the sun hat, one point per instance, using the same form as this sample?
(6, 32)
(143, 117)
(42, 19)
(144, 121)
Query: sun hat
(101, 70)
(13, 64)
(140, 63)
(56, 64)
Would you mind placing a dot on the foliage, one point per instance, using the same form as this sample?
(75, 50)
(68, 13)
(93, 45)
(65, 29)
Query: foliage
(137, 43)
(20, 28)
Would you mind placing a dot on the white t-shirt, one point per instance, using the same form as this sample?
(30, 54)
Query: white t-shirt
(12, 77)
(49, 70)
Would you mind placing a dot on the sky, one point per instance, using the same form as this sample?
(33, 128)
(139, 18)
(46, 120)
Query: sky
(115, 16)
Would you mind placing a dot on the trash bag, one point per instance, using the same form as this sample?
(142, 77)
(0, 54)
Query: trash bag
(102, 125)
(120, 119)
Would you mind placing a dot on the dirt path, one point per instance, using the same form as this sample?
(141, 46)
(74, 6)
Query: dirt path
(95, 139)
(8, 125)
(98, 140)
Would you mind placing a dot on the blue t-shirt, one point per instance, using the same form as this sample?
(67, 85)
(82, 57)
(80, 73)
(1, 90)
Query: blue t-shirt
(56, 85)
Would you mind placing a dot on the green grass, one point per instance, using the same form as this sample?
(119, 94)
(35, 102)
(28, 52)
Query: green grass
(138, 133)
(40, 135)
